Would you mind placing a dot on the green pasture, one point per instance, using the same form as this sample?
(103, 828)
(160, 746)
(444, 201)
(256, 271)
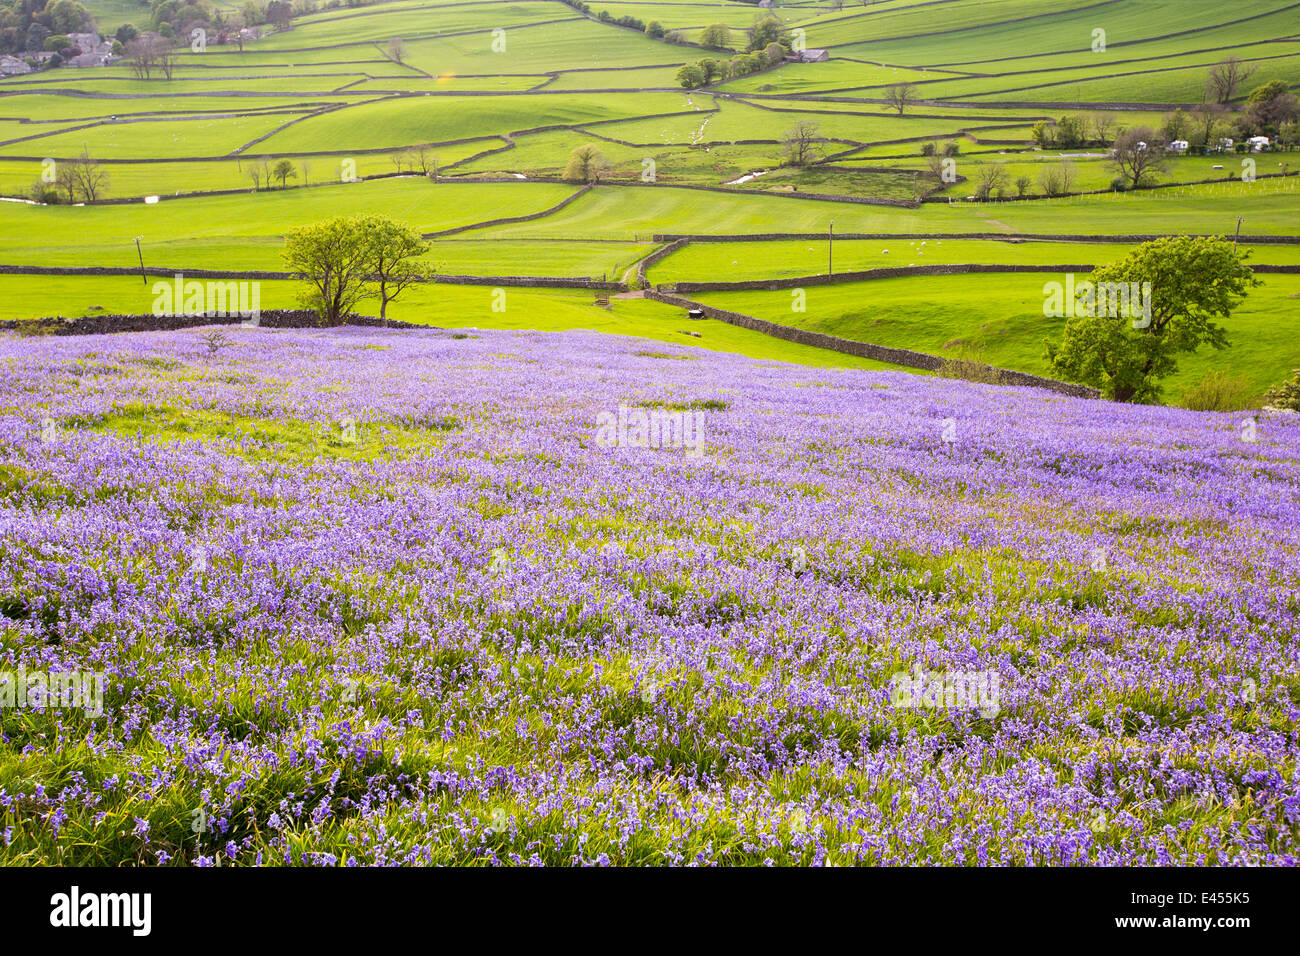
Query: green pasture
(379, 23)
(546, 154)
(244, 231)
(42, 108)
(139, 179)
(622, 211)
(429, 119)
(614, 78)
(1091, 171)
(446, 83)
(116, 81)
(573, 44)
(999, 319)
(445, 306)
(196, 135)
(915, 23)
(1162, 82)
(736, 120)
(1062, 30)
(830, 75)
(748, 261)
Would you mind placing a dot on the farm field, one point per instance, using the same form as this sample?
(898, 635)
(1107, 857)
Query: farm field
(998, 319)
(654, 441)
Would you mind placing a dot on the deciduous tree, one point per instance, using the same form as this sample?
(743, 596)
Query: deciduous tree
(1194, 281)
(1225, 78)
(333, 259)
(801, 144)
(716, 36)
(1138, 155)
(586, 163)
(393, 254)
(901, 95)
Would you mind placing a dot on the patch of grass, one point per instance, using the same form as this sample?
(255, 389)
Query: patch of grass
(1219, 391)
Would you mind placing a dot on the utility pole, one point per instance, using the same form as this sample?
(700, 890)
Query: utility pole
(830, 250)
(143, 278)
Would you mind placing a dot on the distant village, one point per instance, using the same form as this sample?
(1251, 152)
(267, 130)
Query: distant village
(91, 50)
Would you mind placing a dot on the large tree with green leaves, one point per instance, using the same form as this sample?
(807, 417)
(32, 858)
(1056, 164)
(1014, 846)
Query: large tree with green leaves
(1271, 106)
(1194, 281)
(716, 36)
(586, 163)
(332, 257)
(393, 259)
(346, 260)
(766, 31)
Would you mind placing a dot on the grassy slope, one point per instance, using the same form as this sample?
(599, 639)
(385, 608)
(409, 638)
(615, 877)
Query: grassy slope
(999, 319)
(1036, 44)
(461, 307)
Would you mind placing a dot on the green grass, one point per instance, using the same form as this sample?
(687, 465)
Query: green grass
(139, 179)
(220, 231)
(444, 306)
(167, 139)
(420, 119)
(545, 76)
(998, 319)
(744, 261)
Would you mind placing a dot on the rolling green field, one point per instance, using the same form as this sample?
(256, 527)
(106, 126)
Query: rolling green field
(498, 95)
(998, 319)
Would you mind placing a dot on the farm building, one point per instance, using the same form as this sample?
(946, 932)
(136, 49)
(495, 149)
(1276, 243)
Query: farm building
(12, 66)
(808, 56)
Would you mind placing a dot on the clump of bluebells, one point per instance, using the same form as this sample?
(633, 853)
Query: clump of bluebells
(364, 597)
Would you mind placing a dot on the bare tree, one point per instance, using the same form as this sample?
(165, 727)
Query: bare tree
(261, 173)
(990, 178)
(141, 53)
(397, 50)
(422, 160)
(1066, 171)
(304, 165)
(801, 144)
(166, 59)
(82, 178)
(900, 96)
(935, 161)
(1138, 154)
(65, 180)
(1103, 128)
(1226, 78)
(1056, 180)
